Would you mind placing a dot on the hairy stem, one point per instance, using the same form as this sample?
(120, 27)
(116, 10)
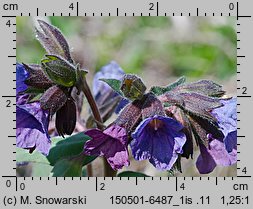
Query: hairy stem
(108, 171)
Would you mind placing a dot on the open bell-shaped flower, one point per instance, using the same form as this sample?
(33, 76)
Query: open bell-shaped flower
(113, 141)
(110, 143)
(221, 152)
(157, 138)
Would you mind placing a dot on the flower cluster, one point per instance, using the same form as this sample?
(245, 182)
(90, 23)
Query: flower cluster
(161, 125)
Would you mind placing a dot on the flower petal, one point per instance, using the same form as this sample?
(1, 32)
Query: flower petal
(215, 154)
(205, 163)
(117, 132)
(112, 143)
(227, 120)
(161, 144)
(227, 112)
(21, 76)
(231, 141)
(32, 124)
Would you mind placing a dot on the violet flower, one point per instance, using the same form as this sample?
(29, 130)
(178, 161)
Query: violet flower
(227, 120)
(110, 143)
(223, 153)
(32, 125)
(159, 139)
(21, 76)
(31, 120)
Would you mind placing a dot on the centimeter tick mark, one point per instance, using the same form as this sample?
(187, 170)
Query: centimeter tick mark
(133, 14)
(96, 184)
(77, 8)
(176, 184)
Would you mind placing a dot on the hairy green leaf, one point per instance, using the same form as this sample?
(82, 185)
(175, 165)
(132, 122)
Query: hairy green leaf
(114, 84)
(157, 90)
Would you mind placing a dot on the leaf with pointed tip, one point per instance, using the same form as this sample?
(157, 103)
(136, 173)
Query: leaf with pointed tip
(114, 84)
(131, 174)
(205, 87)
(176, 83)
(157, 90)
(52, 40)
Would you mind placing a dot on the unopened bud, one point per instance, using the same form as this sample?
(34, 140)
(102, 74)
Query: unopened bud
(37, 77)
(53, 99)
(132, 87)
(65, 121)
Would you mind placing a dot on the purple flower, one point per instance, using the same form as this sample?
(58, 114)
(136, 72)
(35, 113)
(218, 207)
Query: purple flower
(32, 124)
(159, 139)
(21, 76)
(110, 143)
(101, 90)
(227, 120)
(215, 154)
(31, 120)
(223, 153)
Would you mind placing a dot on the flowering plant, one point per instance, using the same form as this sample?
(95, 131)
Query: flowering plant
(161, 125)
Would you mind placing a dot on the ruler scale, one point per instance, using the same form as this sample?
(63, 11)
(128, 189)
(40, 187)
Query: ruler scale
(151, 192)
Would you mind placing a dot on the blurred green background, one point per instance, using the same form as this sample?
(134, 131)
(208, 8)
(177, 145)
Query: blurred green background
(159, 49)
(175, 46)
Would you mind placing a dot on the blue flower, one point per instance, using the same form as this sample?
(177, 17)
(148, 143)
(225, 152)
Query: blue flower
(221, 152)
(159, 139)
(213, 155)
(227, 121)
(102, 91)
(21, 76)
(110, 143)
(31, 120)
(32, 128)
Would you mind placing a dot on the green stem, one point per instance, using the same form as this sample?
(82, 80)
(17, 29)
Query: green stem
(108, 171)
